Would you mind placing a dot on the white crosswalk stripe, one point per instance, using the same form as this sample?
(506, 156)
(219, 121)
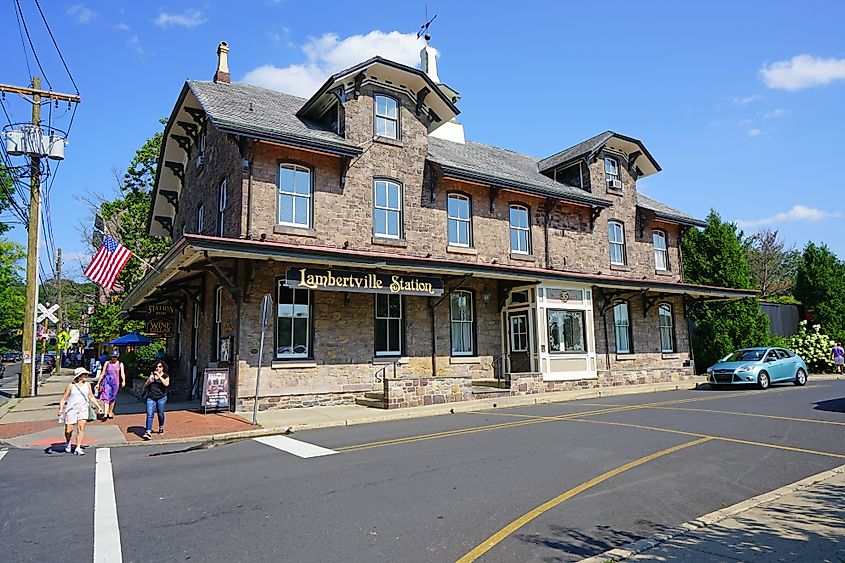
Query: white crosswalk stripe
(295, 447)
(106, 529)
(3, 453)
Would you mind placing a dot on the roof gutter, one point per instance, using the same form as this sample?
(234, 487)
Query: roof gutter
(287, 139)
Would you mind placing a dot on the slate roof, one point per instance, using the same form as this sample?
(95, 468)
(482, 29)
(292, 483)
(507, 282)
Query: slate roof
(272, 113)
(584, 147)
(663, 211)
(502, 168)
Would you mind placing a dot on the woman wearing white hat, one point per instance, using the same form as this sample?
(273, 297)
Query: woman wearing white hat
(74, 408)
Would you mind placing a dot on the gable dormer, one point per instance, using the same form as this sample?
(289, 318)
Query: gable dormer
(597, 164)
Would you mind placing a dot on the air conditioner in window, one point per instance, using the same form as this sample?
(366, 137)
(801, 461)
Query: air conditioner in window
(200, 160)
(615, 184)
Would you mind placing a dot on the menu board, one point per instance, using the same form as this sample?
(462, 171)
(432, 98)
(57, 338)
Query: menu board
(215, 389)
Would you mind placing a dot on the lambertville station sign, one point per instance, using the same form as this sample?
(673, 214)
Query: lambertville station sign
(363, 282)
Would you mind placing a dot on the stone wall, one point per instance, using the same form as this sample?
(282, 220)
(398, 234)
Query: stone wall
(416, 392)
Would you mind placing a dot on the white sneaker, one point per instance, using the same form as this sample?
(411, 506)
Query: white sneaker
(67, 448)
(78, 451)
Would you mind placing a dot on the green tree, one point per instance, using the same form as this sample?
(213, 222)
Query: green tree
(716, 256)
(773, 266)
(820, 286)
(7, 190)
(12, 295)
(106, 323)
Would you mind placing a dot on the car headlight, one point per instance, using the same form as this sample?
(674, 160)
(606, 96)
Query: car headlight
(710, 371)
(743, 369)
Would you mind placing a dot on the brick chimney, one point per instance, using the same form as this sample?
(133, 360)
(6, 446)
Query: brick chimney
(222, 74)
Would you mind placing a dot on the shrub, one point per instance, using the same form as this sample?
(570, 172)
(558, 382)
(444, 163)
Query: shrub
(814, 347)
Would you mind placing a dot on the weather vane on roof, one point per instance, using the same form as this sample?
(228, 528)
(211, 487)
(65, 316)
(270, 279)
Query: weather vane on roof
(424, 28)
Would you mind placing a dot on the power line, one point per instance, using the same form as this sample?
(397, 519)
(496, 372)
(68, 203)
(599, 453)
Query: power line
(31, 46)
(23, 43)
(59, 51)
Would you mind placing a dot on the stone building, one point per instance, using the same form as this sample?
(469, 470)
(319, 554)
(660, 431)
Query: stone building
(406, 265)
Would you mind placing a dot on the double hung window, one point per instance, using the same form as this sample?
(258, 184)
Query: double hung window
(200, 219)
(611, 170)
(221, 209)
(622, 328)
(195, 328)
(616, 236)
(386, 117)
(294, 195)
(218, 321)
(388, 325)
(667, 329)
(519, 227)
(387, 212)
(460, 226)
(661, 255)
(567, 331)
(293, 322)
(460, 304)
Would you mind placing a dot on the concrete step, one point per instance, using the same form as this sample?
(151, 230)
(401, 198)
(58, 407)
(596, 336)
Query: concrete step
(372, 403)
(497, 391)
(498, 383)
(378, 395)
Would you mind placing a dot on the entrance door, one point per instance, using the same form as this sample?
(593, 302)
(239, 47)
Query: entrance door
(519, 359)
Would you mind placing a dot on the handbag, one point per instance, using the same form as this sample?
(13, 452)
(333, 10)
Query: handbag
(92, 415)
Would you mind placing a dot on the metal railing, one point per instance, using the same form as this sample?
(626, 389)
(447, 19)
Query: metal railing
(498, 365)
(381, 375)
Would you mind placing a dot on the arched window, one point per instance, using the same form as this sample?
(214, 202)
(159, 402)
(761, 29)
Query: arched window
(616, 238)
(386, 122)
(667, 327)
(387, 209)
(520, 229)
(294, 195)
(218, 321)
(221, 209)
(661, 255)
(462, 319)
(459, 211)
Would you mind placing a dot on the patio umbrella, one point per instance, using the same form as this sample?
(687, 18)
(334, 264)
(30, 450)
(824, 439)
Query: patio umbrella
(131, 339)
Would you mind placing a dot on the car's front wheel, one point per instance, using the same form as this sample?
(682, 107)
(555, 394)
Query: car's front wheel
(763, 381)
(801, 377)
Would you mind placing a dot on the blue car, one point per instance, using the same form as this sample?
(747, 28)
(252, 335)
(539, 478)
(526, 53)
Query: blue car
(759, 366)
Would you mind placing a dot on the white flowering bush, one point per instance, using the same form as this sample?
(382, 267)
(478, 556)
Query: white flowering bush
(814, 347)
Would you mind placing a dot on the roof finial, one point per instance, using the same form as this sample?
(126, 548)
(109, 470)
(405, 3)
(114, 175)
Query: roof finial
(424, 27)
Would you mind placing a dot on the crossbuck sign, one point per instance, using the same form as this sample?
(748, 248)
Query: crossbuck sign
(45, 313)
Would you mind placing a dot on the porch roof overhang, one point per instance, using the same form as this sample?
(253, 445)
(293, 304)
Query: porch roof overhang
(191, 249)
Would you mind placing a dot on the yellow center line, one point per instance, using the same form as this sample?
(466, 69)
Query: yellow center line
(497, 538)
(811, 420)
(712, 437)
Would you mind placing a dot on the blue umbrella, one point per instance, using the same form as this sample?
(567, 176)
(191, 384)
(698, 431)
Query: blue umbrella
(132, 339)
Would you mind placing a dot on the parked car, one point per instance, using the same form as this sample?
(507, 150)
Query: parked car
(10, 357)
(760, 366)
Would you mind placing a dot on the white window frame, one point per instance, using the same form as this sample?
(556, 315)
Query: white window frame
(387, 209)
(622, 326)
(666, 330)
(462, 323)
(523, 334)
(290, 318)
(613, 242)
(460, 222)
(661, 253)
(221, 208)
(295, 196)
(611, 168)
(385, 118)
(218, 320)
(561, 334)
(397, 350)
(200, 219)
(520, 229)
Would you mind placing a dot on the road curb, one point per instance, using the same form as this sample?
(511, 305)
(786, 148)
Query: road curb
(6, 407)
(635, 548)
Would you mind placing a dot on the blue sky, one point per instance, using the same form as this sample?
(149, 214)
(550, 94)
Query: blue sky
(740, 102)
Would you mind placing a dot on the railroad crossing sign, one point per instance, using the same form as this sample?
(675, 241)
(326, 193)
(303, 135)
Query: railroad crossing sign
(45, 313)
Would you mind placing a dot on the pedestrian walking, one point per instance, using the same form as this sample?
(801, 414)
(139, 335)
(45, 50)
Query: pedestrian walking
(112, 378)
(839, 358)
(76, 407)
(155, 391)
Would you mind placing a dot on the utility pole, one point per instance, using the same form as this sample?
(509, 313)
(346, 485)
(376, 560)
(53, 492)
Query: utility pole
(33, 144)
(60, 326)
(28, 365)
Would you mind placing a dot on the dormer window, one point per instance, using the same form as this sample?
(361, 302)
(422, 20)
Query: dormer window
(611, 173)
(386, 117)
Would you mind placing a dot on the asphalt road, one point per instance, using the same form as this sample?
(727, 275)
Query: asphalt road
(555, 482)
(9, 381)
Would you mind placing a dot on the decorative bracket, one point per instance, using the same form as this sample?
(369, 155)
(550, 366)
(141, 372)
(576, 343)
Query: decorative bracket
(190, 129)
(433, 116)
(178, 170)
(595, 211)
(649, 303)
(421, 98)
(357, 82)
(345, 162)
(172, 197)
(551, 204)
(183, 142)
(435, 177)
(221, 276)
(339, 93)
(197, 115)
(494, 193)
(165, 222)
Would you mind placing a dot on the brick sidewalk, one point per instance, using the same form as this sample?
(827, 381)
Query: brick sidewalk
(180, 424)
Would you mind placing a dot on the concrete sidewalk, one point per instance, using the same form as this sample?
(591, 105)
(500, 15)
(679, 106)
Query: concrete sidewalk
(804, 521)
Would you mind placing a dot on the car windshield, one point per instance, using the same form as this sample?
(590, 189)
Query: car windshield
(744, 356)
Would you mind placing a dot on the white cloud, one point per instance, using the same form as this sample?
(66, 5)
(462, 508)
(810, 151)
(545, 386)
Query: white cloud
(188, 18)
(122, 26)
(135, 43)
(328, 54)
(779, 112)
(81, 13)
(744, 101)
(797, 213)
(802, 71)
(754, 132)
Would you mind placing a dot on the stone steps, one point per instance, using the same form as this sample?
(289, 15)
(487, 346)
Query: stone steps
(490, 391)
(496, 383)
(372, 400)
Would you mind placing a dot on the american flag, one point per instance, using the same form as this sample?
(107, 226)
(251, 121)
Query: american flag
(108, 262)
